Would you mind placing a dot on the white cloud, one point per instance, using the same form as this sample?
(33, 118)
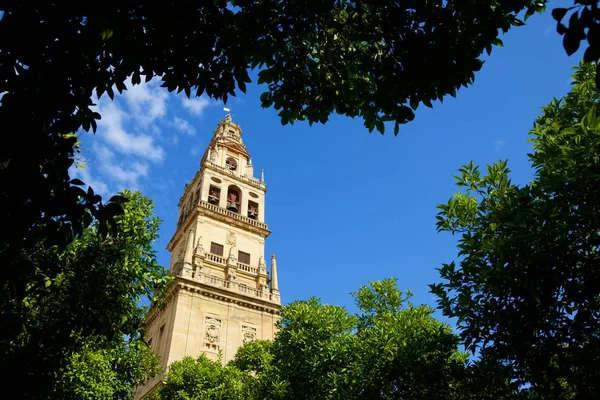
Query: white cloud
(499, 144)
(147, 101)
(123, 172)
(129, 140)
(184, 126)
(128, 176)
(196, 105)
(114, 133)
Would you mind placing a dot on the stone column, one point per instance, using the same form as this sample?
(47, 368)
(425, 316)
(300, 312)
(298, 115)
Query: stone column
(274, 282)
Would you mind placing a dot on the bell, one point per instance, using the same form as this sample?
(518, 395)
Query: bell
(232, 206)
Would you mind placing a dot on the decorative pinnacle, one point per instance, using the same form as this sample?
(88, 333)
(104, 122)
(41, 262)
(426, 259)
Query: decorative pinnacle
(228, 111)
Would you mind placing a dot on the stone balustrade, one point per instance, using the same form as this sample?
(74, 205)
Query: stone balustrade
(247, 268)
(216, 281)
(231, 214)
(215, 258)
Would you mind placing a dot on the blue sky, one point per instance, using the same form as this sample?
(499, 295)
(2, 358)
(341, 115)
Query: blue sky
(345, 206)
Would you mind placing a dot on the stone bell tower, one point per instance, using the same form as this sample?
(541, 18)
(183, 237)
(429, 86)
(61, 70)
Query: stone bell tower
(222, 295)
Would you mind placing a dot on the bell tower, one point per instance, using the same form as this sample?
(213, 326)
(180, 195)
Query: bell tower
(222, 295)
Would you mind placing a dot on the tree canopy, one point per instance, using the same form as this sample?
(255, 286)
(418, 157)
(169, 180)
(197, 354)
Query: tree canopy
(368, 59)
(391, 349)
(80, 334)
(526, 287)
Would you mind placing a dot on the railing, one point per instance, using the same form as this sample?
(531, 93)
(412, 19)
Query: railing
(215, 281)
(248, 291)
(243, 289)
(247, 268)
(215, 258)
(231, 214)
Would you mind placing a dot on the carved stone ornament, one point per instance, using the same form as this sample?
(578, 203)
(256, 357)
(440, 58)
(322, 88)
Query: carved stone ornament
(212, 333)
(248, 334)
(213, 155)
(199, 247)
(231, 239)
(212, 329)
(249, 337)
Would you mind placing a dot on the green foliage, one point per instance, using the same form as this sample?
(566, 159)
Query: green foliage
(391, 349)
(368, 59)
(584, 24)
(256, 356)
(203, 379)
(373, 60)
(525, 290)
(407, 352)
(91, 310)
(105, 371)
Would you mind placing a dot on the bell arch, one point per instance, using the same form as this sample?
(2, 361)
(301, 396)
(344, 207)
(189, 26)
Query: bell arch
(234, 199)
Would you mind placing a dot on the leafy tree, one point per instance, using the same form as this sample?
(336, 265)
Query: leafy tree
(100, 370)
(584, 24)
(525, 290)
(91, 311)
(203, 379)
(391, 349)
(374, 60)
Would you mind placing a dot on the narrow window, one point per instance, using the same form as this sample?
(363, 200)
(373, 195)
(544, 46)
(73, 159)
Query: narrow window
(216, 249)
(161, 333)
(244, 258)
(214, 193)
(252, 210)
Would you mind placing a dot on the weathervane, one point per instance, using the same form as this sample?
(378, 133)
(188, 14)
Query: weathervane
(228, 111)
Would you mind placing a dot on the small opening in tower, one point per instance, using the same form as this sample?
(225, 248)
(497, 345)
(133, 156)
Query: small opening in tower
(243, 257)
(216, 249)
(252, 210)
(233, 199)
(231, 164)
(214, 194)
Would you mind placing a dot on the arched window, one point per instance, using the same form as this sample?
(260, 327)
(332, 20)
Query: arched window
(231, 164)
(234, 199)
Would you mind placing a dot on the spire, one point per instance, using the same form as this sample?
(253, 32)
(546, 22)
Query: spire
(274, 283)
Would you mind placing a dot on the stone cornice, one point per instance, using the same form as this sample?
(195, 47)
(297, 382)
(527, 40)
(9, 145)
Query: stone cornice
(240, 178)
(229, 297)
(190, 286)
